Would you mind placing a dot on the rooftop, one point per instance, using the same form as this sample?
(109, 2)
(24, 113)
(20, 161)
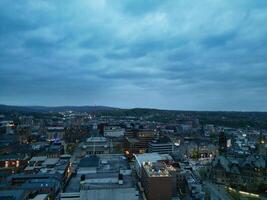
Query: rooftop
(12, 194)
(161, 140)
(157, 169)
(147, 156)
(55, 128)
(96, 139)
(40, 197)
(106, 181)
(12, 157)
(115, 194)
(38, 159)
(51, 161)
(90, 161)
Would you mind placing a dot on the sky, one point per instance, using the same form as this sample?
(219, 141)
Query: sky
(171, 54)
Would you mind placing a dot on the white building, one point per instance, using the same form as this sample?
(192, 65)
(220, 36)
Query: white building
(96, 145)
(114, 131)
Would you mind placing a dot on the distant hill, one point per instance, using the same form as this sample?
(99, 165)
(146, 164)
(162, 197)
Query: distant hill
(223, 118)
(30, 109)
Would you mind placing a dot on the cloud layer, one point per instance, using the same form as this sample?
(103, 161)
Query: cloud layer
(195, 55)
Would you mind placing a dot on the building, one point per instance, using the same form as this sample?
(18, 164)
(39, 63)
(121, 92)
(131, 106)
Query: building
(102, 186)
(102, 177)
(12, 163)
(194, 187)
(70, 196)
(139, 159)
(96, 145)
(51, 151)
(113, 131)
(42, 183)
(7, 127)
(261, 149)
(157, 181)
(222, 143)
(110, 193)
(14, 194)
(45, 165)
(137, 142)
(24, 132)
(89, 164)
(247, 172)
(74, 134)
(162, 145)
(55, 133)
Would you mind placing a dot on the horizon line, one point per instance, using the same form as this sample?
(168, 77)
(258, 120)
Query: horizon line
(130, 108)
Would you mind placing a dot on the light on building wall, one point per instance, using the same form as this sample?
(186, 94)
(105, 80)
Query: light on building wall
(229, 143)
(177, 143)
(17, 163)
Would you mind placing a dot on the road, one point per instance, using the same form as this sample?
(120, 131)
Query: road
(216, 192)
(76, 153)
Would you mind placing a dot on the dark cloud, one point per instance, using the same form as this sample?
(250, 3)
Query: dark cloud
(165, 54)
(218, 40)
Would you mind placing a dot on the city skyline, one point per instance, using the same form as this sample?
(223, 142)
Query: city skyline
(178, 55)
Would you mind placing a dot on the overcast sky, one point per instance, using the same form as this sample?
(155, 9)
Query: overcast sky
(179, 54)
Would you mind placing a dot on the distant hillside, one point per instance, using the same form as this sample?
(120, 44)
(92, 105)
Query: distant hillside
(222, 118)
(31, 109)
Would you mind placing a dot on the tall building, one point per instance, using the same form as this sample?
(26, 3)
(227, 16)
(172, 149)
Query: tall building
(222, 143)
(162, 145)
(157, 181)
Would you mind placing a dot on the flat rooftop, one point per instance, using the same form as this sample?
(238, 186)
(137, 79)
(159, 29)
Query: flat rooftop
(106, 181)
(108, 166)
(157, 169)
(114, 194)
(147, 157)
(40, 197)
(38, 158)
(55, 128)
(51, 161)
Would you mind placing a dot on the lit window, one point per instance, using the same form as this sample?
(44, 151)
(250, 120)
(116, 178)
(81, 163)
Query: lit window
(17, 163)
